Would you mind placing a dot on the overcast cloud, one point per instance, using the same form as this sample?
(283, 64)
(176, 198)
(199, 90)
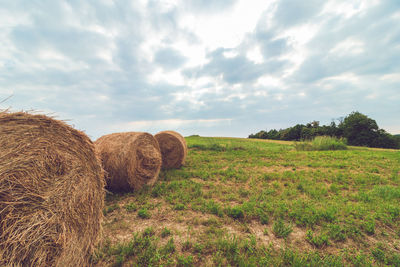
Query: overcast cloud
(215, 68)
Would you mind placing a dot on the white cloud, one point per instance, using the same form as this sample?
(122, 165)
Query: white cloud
(350, 46)
(158, 125)
(268, 80)
(230, 53)
(169, 77)
(348, 8)
(227, 28)
(254, 54)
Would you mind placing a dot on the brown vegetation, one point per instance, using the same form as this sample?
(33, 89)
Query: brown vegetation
(130, 159)
(173, 149)
(51, 192)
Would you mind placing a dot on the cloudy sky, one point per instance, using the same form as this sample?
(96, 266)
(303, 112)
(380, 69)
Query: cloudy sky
(208, 67)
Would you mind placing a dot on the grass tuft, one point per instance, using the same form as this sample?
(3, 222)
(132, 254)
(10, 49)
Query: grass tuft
(320, 143)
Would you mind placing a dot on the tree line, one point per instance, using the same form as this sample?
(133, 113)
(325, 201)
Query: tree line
(357, 128)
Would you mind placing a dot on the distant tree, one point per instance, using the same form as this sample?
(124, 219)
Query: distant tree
(397, 139)
(315, 124)
(306, 133)
(385, 140)
(294, 133)
(273, 134)
(359, 129)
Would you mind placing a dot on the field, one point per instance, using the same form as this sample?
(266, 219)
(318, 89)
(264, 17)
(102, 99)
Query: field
(243, 202)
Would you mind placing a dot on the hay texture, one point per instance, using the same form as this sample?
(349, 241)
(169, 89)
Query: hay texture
(173, 149)
(130, 159)
(51, 192)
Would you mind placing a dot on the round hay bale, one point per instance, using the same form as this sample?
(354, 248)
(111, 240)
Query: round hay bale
(130, 159)
(173, 149)
(51, 192)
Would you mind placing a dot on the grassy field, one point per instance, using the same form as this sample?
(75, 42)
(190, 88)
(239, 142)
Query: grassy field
(243, 202)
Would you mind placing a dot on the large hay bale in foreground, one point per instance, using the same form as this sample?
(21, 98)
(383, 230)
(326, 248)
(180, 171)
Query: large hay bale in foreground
(173, 149)
(130, 159)
(51, 192)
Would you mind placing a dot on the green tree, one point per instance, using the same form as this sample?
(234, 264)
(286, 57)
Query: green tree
(359, 129)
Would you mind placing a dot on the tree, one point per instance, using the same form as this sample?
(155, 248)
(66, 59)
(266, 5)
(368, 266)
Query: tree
(385, 140)
(359, 129)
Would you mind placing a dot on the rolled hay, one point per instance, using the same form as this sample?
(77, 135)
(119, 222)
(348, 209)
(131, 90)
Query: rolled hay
(173, 149)
(51, 192)
(130, 159)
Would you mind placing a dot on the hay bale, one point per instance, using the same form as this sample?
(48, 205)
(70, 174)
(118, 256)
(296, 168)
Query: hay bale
(173, 149)
(51, 192)
(130, 159)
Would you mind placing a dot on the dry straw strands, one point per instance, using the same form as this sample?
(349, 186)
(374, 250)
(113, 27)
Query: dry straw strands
(130, 159)
(173, 149)
(51, 192)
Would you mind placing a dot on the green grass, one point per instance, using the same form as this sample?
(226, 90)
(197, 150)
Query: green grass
(242, 202)
(320, 143)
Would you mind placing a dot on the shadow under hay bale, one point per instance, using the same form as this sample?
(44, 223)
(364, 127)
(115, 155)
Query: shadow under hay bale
(51, 192)
(130, 159)
(173, 149)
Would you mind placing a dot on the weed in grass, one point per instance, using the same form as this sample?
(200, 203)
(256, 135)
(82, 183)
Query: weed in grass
(187, 245)
(110, 209)
(235, 212)
(213, 208)
(322, 143)
(265, 232)
(336, 232)
(158, 189)
(131, 206)
(264, 218)
(149, 231)
(198, 248)
(290, 257)
(165, 232)
(179, 206)
(318, 241)
(369, 226)
(360, 260)
(305, 213)
(144, 213)
(281, 230)
(378, 253)
(211, 222)
(169, 247)
(184, 261)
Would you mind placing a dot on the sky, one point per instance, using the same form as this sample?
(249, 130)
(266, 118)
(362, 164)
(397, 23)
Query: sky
(207, 67)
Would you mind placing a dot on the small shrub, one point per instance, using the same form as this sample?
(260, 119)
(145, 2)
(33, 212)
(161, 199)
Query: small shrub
(281, 230)
(236, 212)
(144, 213)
